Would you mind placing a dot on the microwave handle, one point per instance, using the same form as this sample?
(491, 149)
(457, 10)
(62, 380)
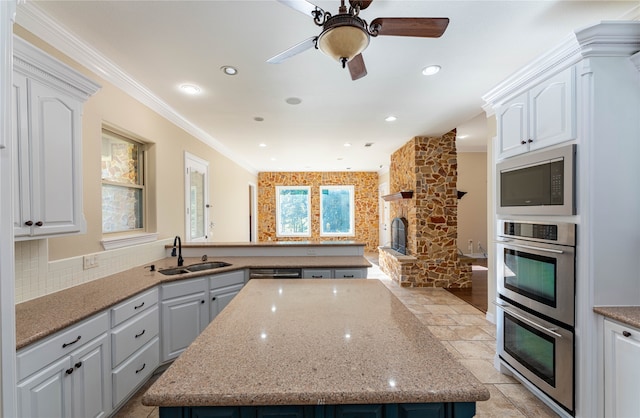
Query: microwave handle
(550, 331)
(531, 247)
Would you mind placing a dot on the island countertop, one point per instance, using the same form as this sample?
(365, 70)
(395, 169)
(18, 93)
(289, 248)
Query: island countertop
(311, 342)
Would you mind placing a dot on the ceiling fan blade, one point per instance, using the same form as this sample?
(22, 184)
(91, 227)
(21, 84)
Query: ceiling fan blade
(357, 67)
(302, 6)
(424, 27)
(294, 50)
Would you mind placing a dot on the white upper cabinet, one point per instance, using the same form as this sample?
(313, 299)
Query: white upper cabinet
(47, 100)
(542, 116)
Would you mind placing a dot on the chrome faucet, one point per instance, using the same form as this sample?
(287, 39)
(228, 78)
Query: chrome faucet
(173, 252)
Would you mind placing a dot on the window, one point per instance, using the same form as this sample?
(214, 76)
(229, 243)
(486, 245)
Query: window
(336, 211)
(293, 211)
(122, 184)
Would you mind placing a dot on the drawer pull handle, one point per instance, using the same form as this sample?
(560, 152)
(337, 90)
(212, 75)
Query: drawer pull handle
(78, 365)
(626, 334)
(348, 276)
(316, 277)
(141, 334)
(141, 368)
(139, 306)
(65, 345)
(69, 371)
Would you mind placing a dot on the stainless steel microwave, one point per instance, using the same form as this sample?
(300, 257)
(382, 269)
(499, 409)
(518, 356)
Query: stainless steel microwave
(538, 183)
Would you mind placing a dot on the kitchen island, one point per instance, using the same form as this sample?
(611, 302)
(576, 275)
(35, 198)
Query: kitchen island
(316, 348)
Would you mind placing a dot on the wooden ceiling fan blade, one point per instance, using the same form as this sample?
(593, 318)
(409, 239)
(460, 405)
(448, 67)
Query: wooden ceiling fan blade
(294, 50)
(423, 27)
(357, 67)
(302, 6)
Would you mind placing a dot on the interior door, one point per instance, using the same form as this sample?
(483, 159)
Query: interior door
(385, 221)
(196, 199)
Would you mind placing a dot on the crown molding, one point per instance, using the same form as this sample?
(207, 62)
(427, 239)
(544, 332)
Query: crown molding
(36, 21)
(606, 39)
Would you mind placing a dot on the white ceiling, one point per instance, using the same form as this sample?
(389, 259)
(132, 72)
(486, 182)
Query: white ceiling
(162, 44)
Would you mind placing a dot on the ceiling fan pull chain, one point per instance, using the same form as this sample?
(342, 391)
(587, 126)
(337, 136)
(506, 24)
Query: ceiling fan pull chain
(343, 60)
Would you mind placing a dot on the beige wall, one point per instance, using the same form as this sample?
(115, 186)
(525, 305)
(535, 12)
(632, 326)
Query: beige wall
(228, 181)
(472, 208)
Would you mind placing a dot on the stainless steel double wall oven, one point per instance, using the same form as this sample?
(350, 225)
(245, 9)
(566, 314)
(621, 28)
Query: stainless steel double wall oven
(536, 304)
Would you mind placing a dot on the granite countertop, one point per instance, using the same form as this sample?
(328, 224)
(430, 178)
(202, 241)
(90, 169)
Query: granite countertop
(310, 342)
(43, 316)
(271, 244)
(629, 315)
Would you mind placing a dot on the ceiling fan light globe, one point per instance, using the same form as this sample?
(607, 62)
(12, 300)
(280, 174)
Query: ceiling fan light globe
(343, 42)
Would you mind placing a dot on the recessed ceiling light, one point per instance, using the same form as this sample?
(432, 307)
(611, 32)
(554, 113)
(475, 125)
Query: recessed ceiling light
(346, 144)
(262, 145)
(190, 88)
(368, 144)
(293, 100)
(258, 118)
(340, 158)
(390, 119)
(229, 70)
(273, 158)
(431, 70)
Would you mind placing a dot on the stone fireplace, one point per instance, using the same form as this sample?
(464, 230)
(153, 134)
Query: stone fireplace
(428, 166)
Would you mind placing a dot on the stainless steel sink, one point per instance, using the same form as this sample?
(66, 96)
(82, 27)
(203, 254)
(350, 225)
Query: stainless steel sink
(207, 265)
(211, 265)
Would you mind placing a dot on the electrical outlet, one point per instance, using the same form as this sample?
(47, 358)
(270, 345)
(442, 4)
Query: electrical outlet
(89, 261)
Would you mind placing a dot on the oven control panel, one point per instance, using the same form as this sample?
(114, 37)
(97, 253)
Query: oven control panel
(553, 232)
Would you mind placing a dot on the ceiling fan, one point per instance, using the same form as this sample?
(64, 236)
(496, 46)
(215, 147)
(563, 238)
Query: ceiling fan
(345, 35)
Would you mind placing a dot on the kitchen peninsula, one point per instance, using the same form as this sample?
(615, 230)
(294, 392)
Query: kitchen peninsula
(316, 348)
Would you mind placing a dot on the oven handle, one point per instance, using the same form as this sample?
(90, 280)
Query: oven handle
(550, 331)
(531, 247)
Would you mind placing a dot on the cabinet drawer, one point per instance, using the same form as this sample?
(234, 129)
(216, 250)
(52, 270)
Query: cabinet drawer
(38, 355)
(135, 370)
(316, 274)
(226, 279)
(183, 287)
(350, 273)
(132, 306)
(132, 335)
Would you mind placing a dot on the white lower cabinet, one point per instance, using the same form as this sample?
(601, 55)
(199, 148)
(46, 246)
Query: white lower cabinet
(135, 371)
(184, 315)
(317, 274)
(222, 288)
(68, 374)
(337, 273)
(621, 370)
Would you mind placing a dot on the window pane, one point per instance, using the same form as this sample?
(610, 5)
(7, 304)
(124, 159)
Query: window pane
(293, 211)
(120, 161)
(196, 204)
(336, 208)
(121, 208)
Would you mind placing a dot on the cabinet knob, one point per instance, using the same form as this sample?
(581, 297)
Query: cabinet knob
(28, 223)
(523, 142)
(69, 371)
(529, 140)
(626, 334)
(78, 365)
(39, 223)
(202, 301)
(213, 298)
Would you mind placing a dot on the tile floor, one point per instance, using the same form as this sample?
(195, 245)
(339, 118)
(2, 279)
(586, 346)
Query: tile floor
(463, 330)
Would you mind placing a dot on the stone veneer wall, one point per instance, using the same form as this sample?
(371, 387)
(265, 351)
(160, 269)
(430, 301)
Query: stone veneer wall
(365, 199)
(428, 166)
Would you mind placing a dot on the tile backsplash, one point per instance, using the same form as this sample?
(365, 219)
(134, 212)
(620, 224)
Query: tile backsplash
(37, 276)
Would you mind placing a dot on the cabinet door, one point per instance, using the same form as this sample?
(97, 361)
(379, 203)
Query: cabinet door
(183, 319)
(55, 160)
(317, 274)
(47, 393)
(220, 298)
(552, 106)
(513, 126)
(21, 157)
(621, 370)
(91, 379)
(350, 273)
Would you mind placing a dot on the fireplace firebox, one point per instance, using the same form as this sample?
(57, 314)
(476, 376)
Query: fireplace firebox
(399, 235)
